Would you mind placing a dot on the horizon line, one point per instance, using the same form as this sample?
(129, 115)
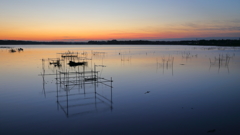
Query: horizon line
(165, 39)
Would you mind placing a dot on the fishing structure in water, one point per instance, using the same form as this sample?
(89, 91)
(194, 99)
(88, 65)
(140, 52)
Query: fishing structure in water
(77, 90)
(221, 61)
(166, 63)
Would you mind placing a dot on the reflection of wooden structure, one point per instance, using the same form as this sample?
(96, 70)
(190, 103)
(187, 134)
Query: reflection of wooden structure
(98, 53)
(166, 63)
(83, 99)
(188, 55)
(123, 58)
(220, 61)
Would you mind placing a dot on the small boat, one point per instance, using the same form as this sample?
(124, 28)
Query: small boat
(20, 49)
(72, 63)
(12, 50)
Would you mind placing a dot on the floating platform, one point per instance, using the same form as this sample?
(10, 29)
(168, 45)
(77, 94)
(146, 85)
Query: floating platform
(72, 63)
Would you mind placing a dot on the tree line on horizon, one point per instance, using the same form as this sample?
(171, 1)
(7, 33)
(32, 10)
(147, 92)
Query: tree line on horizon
(220, 42)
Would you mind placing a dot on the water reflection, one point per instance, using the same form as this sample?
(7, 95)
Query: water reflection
(222, 61)
(183, 92)
(76, 90)
(188, 55)
(166, 63)
(78, 97)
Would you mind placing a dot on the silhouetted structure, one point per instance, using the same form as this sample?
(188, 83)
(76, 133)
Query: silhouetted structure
(76, 91)
(221, 61)
(72, 63)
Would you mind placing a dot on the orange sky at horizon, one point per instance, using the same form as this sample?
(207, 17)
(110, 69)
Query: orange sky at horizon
(75, 35)
(122, 20)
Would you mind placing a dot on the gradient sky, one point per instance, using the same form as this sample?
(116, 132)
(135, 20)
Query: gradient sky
(83, 20)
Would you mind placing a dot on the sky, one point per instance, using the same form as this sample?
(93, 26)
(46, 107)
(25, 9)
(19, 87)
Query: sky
(84, 20)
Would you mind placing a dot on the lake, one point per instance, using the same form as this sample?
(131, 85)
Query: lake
(114, 89)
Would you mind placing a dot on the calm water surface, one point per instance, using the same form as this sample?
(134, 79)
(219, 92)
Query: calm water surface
(154, 90)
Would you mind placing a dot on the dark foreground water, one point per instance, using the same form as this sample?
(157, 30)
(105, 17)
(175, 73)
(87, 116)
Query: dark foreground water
(146, 90)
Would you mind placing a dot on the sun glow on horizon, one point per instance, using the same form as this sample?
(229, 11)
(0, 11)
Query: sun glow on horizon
(122, 20)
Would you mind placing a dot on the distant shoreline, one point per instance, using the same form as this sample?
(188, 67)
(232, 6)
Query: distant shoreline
(222, 42)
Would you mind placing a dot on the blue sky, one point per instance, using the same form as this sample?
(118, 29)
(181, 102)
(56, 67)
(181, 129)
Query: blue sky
(125, 19)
